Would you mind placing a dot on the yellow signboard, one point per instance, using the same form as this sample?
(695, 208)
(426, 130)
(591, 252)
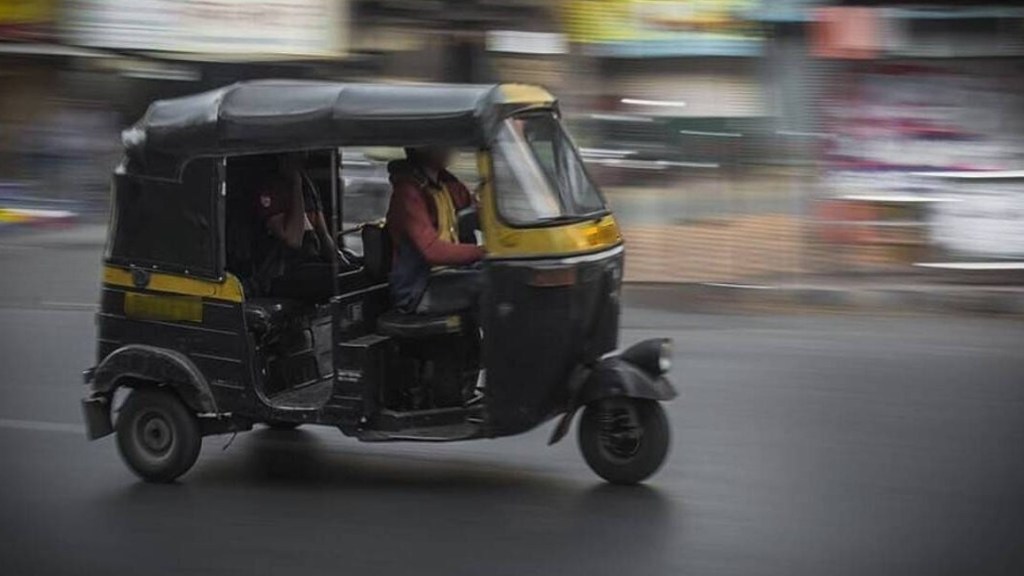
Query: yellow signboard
(642, 20)
(26, 12)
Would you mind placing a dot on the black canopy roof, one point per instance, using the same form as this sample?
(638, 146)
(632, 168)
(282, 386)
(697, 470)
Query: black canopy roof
(273, 115)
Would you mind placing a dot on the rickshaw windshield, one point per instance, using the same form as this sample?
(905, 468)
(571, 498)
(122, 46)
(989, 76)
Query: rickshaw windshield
(538, 174)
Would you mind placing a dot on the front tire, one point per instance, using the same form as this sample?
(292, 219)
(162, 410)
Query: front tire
(624, 440)
(157, 435)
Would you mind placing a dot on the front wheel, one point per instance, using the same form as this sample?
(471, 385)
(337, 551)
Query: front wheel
(158, 436)
(624, 440)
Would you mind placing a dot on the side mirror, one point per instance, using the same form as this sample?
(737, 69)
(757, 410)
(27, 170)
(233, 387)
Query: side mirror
(469, 223)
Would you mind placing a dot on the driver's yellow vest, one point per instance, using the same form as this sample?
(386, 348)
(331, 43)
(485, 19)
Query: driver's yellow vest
(447, 222)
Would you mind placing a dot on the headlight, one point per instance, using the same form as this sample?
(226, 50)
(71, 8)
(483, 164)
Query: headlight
(654, 356)
(665, 356)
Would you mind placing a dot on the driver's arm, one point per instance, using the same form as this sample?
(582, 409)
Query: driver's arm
(329, 248)
(412, 218)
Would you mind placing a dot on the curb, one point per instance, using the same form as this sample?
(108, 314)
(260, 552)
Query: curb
(940, 299)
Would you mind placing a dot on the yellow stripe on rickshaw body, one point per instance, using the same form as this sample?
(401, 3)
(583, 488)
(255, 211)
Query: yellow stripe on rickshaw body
(166, 307)
(504, 241)
(229, 289)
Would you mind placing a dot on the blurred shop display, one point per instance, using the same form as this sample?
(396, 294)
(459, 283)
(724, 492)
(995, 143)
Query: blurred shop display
(982, 220)
(912, 91)
(648, 28)
(670, 85)
(249, 29)
(737, 139)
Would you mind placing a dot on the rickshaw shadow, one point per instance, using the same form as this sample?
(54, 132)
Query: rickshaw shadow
(300, 458)
(632, 521)
(300, 483)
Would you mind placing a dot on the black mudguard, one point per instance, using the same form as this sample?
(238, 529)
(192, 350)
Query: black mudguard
(612, 376)
(147, 363)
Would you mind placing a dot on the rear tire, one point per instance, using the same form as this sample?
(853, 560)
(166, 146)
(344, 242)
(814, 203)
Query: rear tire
(624, 440)
(157, 435)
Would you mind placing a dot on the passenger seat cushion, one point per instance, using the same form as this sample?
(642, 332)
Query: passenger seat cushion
(400, 325)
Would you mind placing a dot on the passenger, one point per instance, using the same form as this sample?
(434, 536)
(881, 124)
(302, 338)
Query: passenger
(423, 222)
(296, 261)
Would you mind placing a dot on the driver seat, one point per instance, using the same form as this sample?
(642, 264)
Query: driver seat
(377, 254)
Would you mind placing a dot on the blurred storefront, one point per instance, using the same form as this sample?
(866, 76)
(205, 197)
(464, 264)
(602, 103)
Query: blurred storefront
(663, 74)
(925, 107)
(26, 78)
(75, 73)
(54, 124)
(459, 40)
(690, 107)
(162, 48)
(736, 138)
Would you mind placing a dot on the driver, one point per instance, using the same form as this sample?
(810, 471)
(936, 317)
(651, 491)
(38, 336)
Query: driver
(423, 224)
(296, 262)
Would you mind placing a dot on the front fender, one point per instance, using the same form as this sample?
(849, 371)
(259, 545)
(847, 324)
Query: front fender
(616, 376)
(612, 376)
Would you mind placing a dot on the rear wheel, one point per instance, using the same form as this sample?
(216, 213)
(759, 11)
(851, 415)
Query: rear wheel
(157, 435)
(624, 440)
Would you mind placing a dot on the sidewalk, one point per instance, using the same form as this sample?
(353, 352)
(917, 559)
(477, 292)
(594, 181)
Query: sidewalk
(907, 293)
(719, 250)
(866, 294)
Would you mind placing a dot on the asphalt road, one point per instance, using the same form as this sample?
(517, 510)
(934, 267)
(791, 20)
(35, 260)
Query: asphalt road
(803, 444)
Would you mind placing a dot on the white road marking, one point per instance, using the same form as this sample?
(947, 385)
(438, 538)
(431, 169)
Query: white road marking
(68, 305)
(741, 286)
(983, 266)
(42, 426)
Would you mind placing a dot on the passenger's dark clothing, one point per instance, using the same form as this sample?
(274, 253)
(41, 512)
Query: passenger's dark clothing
(308, 281)
(283, 271)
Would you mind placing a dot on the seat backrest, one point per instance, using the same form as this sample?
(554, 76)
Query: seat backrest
(376, 250)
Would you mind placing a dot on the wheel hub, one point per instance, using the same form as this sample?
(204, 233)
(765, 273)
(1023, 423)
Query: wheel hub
(155, 433)
(620, 433)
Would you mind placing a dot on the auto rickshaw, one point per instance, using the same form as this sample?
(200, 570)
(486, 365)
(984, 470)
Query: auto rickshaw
(188, 347)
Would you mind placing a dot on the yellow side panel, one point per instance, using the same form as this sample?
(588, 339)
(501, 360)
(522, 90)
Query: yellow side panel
(504, 241)
(230, 289)
(161, 307)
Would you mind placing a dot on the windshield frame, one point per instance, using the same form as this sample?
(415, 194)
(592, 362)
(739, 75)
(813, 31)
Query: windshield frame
(552, 187)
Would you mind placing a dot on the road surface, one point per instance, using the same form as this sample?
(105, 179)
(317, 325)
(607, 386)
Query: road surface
(802, 444)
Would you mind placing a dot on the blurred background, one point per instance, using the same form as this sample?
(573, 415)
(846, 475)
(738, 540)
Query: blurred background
(737, 140)
(846, 151)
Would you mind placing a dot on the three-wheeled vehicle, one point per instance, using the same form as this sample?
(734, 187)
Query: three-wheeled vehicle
(189, 347)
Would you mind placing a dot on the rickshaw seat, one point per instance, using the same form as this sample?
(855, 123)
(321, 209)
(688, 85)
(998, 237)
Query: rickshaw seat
(377, 262)
(400, 325)
(376, 250)
(262, 315)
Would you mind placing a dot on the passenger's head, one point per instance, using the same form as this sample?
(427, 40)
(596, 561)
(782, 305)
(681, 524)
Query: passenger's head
(433, 157)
